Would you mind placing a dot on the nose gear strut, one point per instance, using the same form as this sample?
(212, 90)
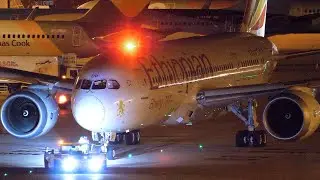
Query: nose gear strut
(109, 140)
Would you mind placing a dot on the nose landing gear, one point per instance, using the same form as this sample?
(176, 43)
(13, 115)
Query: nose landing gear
(249, 137)
(109, 141)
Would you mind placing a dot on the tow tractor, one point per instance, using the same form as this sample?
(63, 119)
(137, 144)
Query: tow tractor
(74, 157)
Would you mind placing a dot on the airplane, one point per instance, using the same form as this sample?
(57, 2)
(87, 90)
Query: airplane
(285, 7)
(199, 4)
(128, 87)
(163, 22)
(284, 17)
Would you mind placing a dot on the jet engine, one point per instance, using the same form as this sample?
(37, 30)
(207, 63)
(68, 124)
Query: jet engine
(29, 113)
(292, 115)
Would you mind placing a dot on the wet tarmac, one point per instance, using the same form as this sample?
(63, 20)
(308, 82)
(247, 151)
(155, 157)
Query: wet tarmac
(204, 150)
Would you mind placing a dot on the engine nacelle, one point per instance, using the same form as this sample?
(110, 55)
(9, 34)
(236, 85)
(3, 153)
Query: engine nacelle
(29, 113)
(292, 115)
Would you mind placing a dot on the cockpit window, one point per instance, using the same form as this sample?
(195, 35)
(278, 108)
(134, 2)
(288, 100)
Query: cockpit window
(86, 84)
(113, 84)
(99, 84)
(78, 84)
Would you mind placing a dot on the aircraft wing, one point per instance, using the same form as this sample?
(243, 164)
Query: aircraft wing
(209, 97)
(292, 70)
(45, 81)
(288, 56)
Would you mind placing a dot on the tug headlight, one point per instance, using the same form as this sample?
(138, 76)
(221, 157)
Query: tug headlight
(69, 164)
(96, 164)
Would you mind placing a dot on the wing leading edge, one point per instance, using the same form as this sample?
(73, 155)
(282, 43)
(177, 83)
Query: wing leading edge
(47, 81)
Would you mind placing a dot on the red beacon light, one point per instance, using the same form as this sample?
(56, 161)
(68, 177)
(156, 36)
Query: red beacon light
(130, 46)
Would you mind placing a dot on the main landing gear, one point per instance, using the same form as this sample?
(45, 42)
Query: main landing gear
(109, 141)
(249, 137)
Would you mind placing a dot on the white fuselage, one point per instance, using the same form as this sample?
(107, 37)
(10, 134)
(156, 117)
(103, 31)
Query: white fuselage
(156, 81)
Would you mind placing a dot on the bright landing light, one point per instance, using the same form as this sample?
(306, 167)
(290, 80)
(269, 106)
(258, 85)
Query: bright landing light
(96, 164)
(70, 164)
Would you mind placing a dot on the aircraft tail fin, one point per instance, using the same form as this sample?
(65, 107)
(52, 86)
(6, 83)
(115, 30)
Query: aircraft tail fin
(112, 10)
(101, 10)
(254, 20)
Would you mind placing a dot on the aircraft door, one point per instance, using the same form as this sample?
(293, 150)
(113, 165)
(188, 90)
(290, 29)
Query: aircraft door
(76, 36)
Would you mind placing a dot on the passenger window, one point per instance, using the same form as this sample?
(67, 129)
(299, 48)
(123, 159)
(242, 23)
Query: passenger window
(3, 36)
(18, 35)
(100, 84)
(23, 36)
(113, 84)
(28, 36)
(86, 84)
(78, 84)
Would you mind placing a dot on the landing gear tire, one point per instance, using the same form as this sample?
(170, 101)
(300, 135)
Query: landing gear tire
(132, 138)
(260, 138)
(118, 140)
(251, 138)
(242, 138)
(111, 153)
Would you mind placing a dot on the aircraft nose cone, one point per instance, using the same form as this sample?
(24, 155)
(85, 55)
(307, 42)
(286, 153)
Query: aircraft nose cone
(89, 112)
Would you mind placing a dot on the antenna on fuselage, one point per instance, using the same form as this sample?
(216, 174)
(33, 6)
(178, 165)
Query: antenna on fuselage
(32, 14)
